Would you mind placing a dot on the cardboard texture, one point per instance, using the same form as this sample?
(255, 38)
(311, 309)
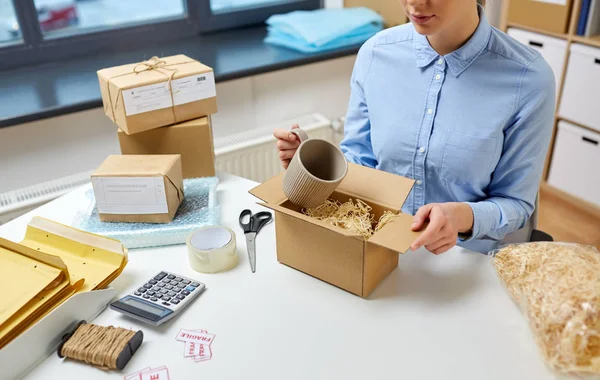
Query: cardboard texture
(193, 140)
(392, 12)
(168, 166)
(336, 255)
(115, 81)
(547, 16)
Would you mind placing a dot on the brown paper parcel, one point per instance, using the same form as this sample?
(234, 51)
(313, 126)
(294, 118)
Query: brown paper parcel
(158, 92)
(336, 255)
(193, 140)
(167, 166)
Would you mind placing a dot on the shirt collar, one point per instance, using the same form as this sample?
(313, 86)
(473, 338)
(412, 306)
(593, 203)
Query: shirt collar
(460, 59)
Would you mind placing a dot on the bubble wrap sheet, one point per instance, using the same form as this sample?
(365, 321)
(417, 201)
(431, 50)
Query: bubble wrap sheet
(198, 209)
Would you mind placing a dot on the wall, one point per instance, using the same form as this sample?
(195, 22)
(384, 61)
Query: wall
(52, 148)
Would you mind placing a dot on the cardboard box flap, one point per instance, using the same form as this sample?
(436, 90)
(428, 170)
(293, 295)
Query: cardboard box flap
(396, 234)
(375, 185)
(270, 191)
(308, 219)
(141, 165)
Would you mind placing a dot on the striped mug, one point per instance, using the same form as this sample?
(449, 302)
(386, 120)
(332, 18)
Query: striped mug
(314, 172)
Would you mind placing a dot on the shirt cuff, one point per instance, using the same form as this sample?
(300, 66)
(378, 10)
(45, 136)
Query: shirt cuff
(484, 219)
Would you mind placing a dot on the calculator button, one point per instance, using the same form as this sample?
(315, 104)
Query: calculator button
(147, 286)
(170, 277)
(178, 288)
(154, 299)
(166, 298)
(169, 287)
(166, 304)
(178, 279)
(190, 288)
(195, 284)
(171, 294)
(164, 291)
(146, 296)
(180, 296)
(150, 292)
(185, 282)
(160, 284)
(174, 282)
(185, 292)
(153, 281)
(137, 294)
(175, 301)
(166, 281)
(160, 276)
(142, 290)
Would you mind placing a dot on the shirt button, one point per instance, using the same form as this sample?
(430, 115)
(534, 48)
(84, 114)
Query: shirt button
(419, 182)
(437, 77)
(440, 61)
(422, 150)
(429, 111)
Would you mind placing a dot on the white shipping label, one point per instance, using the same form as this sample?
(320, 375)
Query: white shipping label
(147, 98)
(557, 2)
(130, 195)
(193, 88)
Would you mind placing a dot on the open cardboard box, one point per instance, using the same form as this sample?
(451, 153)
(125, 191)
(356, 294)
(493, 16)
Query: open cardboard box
(336, 255)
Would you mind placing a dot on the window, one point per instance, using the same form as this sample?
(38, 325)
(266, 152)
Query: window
(10, 31)
(36, 31)
(63, 17)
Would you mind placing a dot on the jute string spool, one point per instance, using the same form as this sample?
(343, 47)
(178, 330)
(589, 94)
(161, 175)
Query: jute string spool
(103, 347)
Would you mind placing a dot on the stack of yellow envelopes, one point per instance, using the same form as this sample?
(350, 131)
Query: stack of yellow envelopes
(51, 264)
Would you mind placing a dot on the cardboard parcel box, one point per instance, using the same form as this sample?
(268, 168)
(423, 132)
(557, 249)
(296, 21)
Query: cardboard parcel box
(548, 15)
(193, 140)
(138, 188)
(336, 255)
(157, 92)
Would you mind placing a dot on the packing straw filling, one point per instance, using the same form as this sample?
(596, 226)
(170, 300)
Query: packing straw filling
(353, 216)
(557, 286)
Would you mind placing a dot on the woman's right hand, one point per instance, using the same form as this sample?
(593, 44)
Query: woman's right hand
(287, 144)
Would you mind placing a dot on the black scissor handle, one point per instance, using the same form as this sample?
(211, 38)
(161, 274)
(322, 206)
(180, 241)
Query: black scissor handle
(260, 219)
(256, 221)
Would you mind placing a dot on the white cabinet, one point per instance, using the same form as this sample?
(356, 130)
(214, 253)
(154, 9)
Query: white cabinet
(575, 166)
(581, 94)
(552, 49)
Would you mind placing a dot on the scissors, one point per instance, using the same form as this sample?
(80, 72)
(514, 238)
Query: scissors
(251, 228)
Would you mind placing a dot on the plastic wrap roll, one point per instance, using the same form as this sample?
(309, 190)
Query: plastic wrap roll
(212, 249)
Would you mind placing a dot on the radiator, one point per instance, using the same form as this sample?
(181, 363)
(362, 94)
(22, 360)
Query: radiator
(253, 154)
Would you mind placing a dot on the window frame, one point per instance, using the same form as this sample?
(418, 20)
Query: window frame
(198, 19)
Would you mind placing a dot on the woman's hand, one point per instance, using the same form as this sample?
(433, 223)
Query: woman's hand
(287, 144)
(446, 221)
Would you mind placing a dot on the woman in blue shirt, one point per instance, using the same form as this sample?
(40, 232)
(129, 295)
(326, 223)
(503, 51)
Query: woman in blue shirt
(461, 108)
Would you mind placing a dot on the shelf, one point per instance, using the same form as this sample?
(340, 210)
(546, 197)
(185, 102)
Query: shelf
(577, 124)
(593, 41)
(537, 30)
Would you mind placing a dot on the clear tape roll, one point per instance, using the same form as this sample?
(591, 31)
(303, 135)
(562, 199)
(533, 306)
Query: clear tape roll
(212, 249)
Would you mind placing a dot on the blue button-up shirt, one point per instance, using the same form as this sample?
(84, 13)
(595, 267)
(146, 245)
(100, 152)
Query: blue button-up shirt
(472, 126)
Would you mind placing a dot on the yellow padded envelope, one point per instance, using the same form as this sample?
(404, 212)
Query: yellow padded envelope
(21, 279)
(97, 259)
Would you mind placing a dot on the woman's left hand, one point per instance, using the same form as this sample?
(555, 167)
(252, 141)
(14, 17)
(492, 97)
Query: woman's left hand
(446, 220)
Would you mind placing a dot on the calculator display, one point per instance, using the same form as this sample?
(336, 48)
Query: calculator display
(144, 306)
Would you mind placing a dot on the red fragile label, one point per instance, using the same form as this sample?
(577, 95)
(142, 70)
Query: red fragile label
(195, 336)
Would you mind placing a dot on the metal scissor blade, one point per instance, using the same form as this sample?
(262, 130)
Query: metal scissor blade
(251, 248)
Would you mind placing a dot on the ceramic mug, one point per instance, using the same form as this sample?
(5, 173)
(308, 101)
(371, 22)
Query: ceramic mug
(314, 172)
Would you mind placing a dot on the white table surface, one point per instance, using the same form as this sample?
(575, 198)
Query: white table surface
(434, 317)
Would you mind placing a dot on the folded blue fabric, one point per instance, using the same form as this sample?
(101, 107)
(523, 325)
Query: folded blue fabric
(323, 29)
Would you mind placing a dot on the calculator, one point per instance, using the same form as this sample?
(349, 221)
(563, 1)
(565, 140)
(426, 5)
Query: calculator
(161, 298)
